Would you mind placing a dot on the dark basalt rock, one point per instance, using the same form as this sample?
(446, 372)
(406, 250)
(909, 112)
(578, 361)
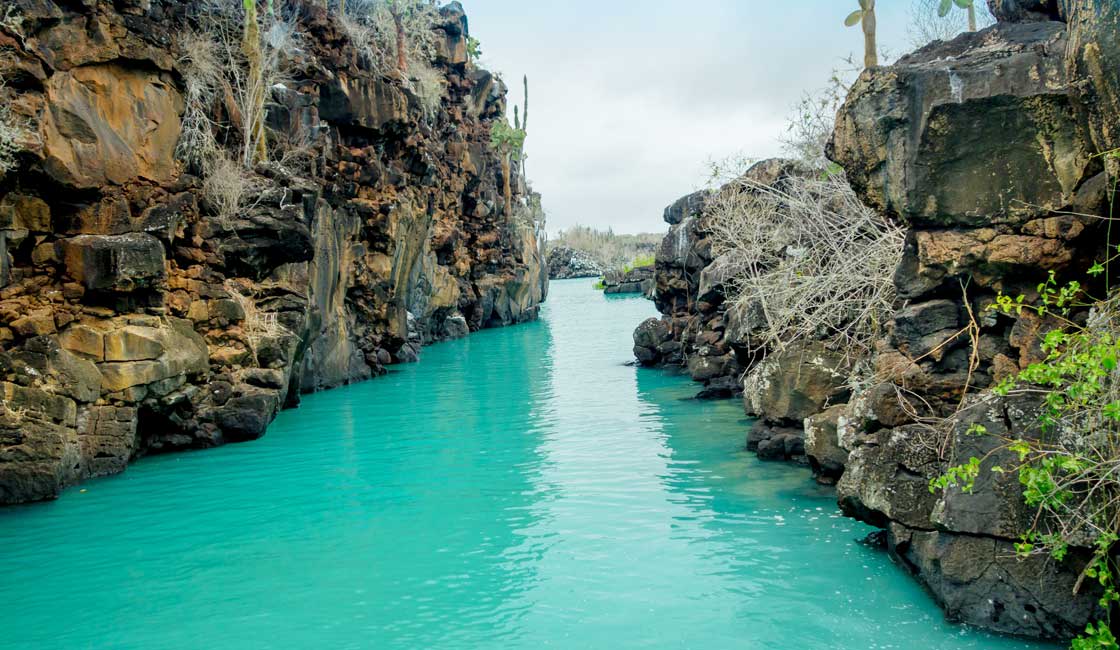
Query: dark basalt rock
(685, 207)
(137, 316)
(566, 263)
(982, 146)
(120, 263)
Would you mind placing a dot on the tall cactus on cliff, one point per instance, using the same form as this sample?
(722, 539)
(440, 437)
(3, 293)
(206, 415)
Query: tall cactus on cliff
(397, 11)
(506, 140)
(524, 126)
(947, 5)
(865, 16)
(254, 150)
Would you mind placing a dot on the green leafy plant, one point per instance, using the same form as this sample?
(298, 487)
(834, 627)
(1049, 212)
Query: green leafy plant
(474, 48)
(1069, 472)
(865, 16)
(506, 139)
(947, 5)
(600, 285)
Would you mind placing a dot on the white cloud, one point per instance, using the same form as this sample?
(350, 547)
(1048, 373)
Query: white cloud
(629, 99)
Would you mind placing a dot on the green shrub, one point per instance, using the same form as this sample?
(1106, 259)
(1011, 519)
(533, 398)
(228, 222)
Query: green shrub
(1071, 473)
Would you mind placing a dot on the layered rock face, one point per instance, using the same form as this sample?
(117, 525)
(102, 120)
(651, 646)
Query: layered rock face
(986, 148)
(134, 320)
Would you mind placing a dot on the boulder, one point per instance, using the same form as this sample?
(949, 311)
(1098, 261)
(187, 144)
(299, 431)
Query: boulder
(917, 139)
(822, 444)
(120, 263)
(57, 370)
(19, 212)
(685, 207)
(142, 356)
(776, 442)
(707, 368)
(887, 477)
(565, 263)
(372, 103)
(649, 337)
(980, 581)
(1017, 11)
(246, 417)
(107, 439)
(38, 453)
(792, 384)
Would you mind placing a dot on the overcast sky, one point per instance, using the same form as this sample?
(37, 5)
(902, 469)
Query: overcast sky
(628, 99)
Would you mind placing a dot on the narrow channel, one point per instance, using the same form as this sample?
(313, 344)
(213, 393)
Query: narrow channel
(521, 488)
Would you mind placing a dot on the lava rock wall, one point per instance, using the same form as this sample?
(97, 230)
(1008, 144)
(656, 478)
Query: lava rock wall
(134, 320)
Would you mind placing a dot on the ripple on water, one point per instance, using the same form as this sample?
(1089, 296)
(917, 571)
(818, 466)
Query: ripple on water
(520, 489)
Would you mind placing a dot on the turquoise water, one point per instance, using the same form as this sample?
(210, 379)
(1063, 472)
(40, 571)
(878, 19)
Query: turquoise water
(519, 489)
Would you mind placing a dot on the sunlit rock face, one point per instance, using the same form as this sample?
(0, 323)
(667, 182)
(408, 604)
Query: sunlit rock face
(986, 147)
(136, 317)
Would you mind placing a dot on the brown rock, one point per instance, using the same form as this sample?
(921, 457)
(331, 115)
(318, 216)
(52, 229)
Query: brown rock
(85, 341)
(37, 323)
(132, 343)
(108, 125)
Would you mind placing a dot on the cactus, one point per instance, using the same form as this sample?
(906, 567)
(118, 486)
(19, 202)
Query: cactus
(524, 126)
(865, 16)
(947, 6)
(525, 119)
(397, 12)
(255, 146)
(506, 140)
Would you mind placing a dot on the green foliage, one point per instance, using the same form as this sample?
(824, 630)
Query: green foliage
(506, 138)
(1068, 473)
(639, 262)
(1096, 637)
(600, 285)
(962, 476)
(947, 5)
(474, 48)
(857, 16)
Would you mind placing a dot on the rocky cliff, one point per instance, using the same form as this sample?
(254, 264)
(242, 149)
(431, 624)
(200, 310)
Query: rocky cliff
(987, 149)
(139, 316)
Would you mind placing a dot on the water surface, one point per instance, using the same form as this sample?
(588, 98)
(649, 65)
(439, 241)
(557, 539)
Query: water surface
(522, 488)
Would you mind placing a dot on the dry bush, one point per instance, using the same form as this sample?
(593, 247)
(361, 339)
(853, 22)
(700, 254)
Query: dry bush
(605, 247)
(926, 26)
(428, 84)
(202, 81)
(373, 31)
(374, 51)
(808, 257)
(258, 324)
(12, 21)
(12, 416)
(229, 188)
(16, 134)
(809, 127)
(218, 63)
